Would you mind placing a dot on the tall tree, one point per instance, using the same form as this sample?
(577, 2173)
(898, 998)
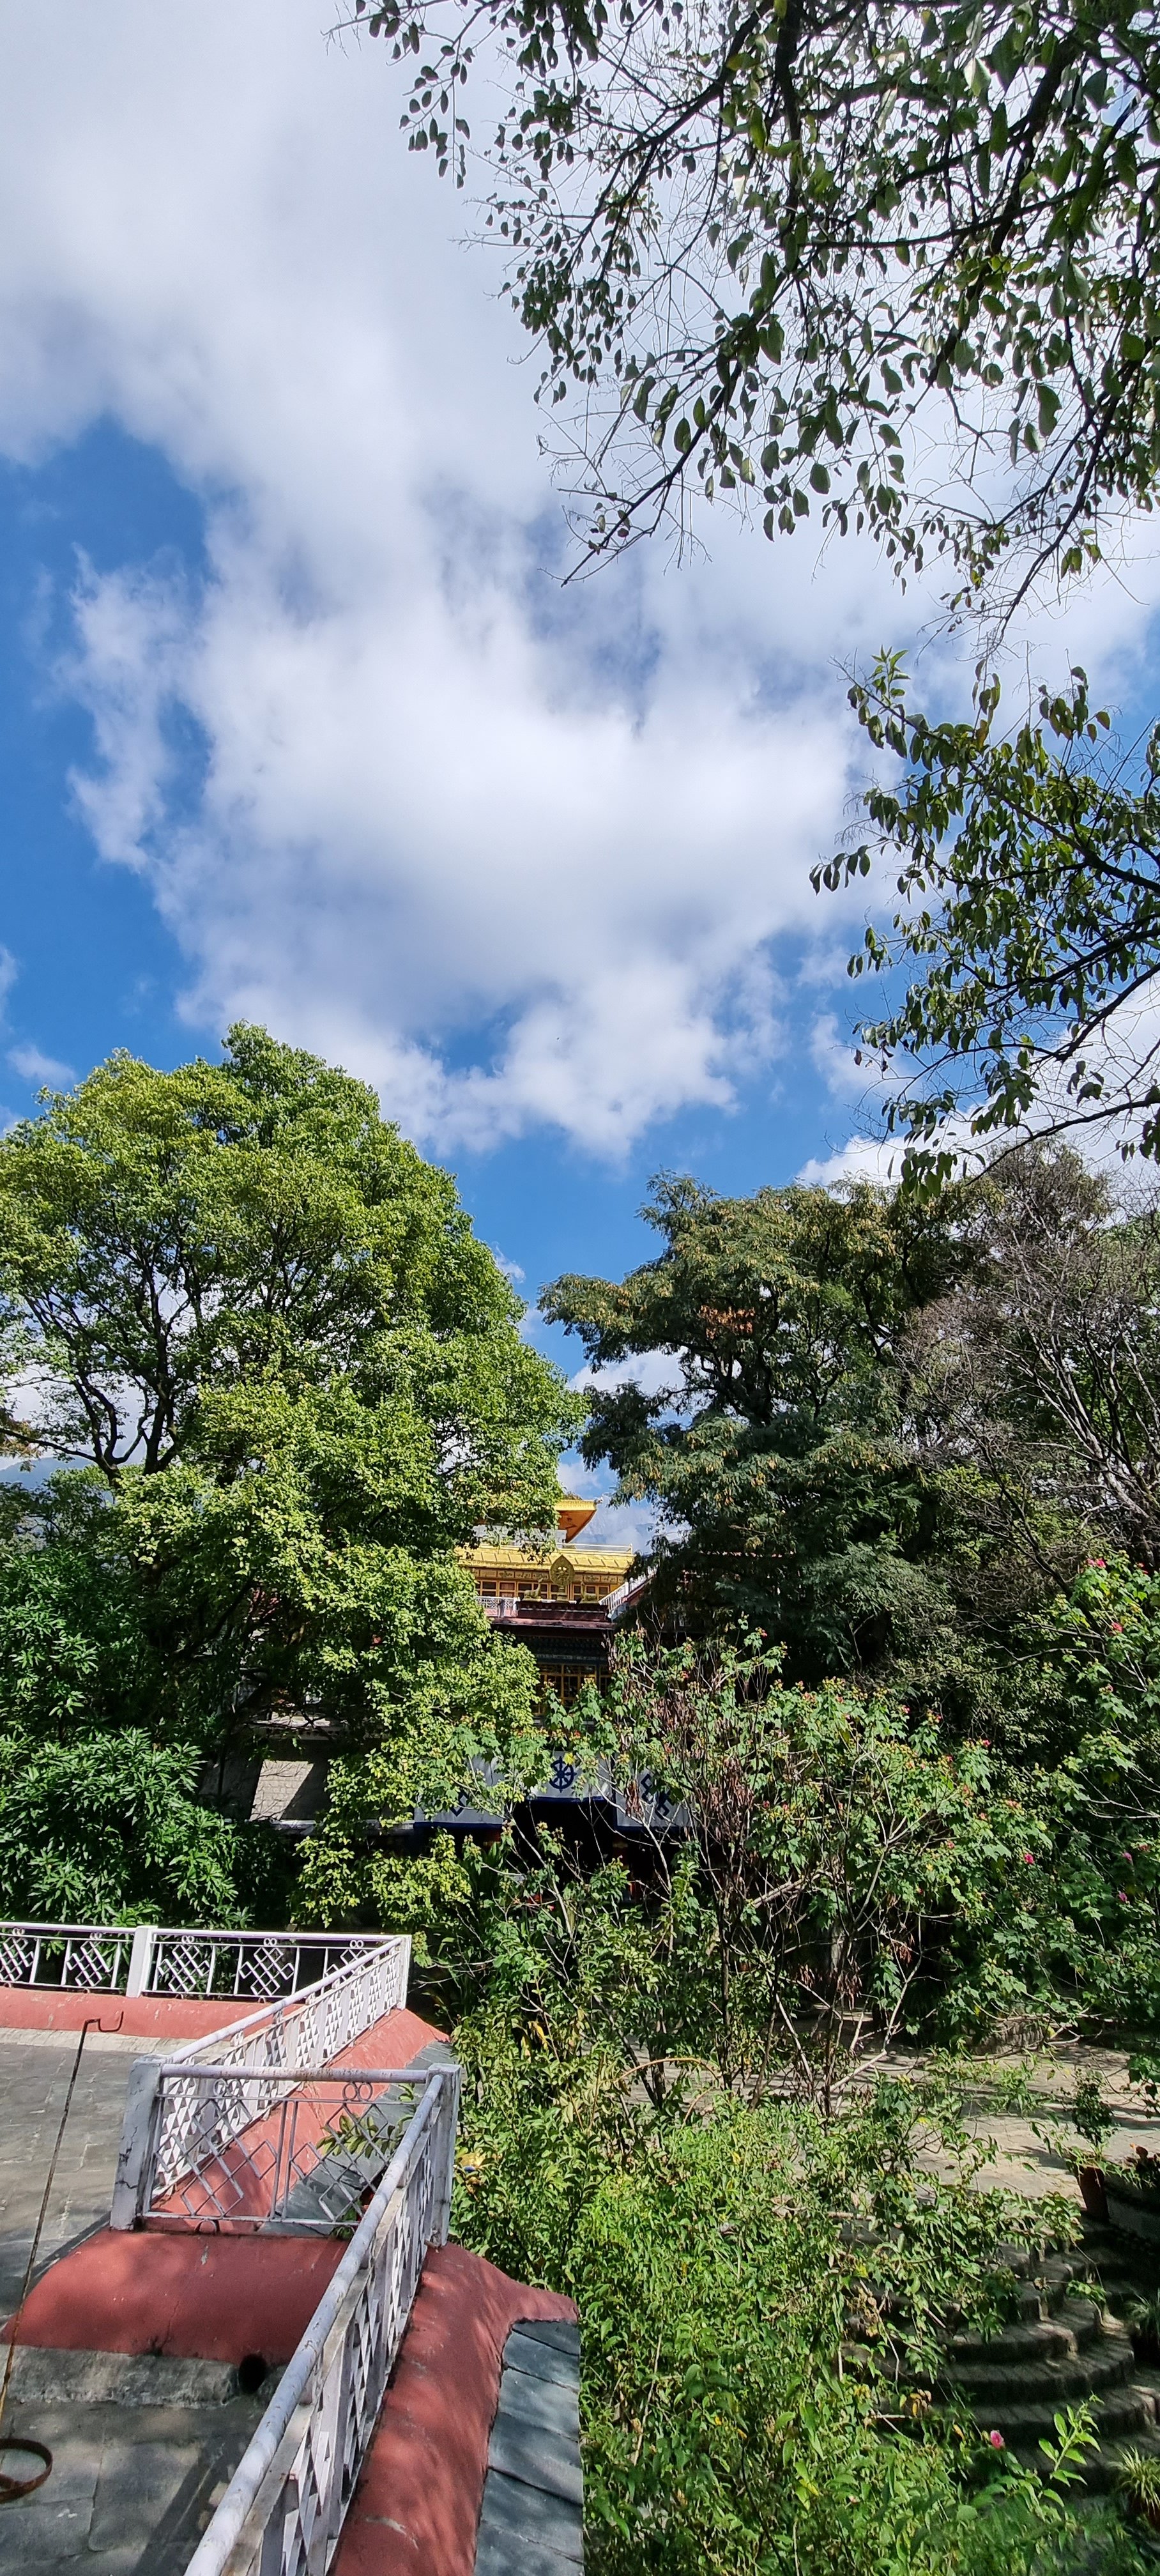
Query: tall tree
(789, 1496)
(1042, 1363)
(290, 1382)
(889, 1427)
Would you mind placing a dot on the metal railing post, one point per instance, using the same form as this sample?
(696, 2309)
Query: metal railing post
(135, 2155)
(141, 1959)
(451, 2078)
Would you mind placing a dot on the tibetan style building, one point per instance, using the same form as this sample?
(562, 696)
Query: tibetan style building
(560, 1602)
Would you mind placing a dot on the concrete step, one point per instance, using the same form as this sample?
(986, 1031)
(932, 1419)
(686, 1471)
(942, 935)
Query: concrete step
(1064, 2382)
(1061, 2337)
(79, 2378)
(1102, 2467)
(1042, 2294)
(1127, 2413)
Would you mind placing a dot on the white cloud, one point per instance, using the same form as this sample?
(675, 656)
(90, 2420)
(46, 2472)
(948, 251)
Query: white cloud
(861, 1158)
(515, 855)
(622, 1525)
(33, 1066)
(649, 1370)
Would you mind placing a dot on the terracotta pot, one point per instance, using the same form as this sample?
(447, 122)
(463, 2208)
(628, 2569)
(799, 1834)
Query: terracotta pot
(1093, 2193)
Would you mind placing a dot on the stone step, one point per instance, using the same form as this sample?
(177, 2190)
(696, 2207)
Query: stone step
(1063, 2382)
(1127, 2414)
(1050, 2291)
(1076, 2325)
(1102, 2467)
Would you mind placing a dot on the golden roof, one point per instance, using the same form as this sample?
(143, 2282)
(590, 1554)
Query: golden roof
(585, 1560)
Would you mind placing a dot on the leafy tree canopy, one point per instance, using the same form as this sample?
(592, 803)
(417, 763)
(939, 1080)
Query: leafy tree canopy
(298, 1381)
(110, 1828)
(883, 1429)
(782, 1448)
(175, 1245)
(761, 246)
(1027, 866)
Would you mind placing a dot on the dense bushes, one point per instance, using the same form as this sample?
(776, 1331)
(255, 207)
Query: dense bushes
(725, 2268)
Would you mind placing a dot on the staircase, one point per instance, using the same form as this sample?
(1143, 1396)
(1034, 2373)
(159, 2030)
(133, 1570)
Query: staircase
(1061, 2349)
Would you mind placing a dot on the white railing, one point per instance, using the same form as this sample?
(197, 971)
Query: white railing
(303, 2163)
(166, 2122)
(164, 1959)
(91, 1958)
(264, 1965)
(283, 2510)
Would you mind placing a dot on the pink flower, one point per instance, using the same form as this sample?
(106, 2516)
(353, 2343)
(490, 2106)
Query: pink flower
(1029, 1857)
(996, 2441)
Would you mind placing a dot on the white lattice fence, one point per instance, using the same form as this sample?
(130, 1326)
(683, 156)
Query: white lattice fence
(167, 2123)
(283, 2511)
(165, 1959)
(90, 1958)
(262, 1965)
(306, 2152)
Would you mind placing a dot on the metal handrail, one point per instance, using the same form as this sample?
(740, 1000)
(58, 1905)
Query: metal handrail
(287, 2500)
(311, 2029)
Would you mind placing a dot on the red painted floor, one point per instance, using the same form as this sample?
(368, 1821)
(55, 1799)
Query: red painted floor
(176, 2018)
(415, 2509)
(211, 2297)
(204, 2298)
(393, 2041)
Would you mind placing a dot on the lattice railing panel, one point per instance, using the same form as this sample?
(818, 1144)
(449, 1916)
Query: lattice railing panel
(90, 1958)
(305, 2154)
(262, 1966)
(193, 2106)
(283, 2511)
(158, 1959)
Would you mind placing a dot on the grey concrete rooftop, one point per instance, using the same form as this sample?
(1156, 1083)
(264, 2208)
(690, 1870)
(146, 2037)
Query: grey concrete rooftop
(34, 2079)
(142, 2448)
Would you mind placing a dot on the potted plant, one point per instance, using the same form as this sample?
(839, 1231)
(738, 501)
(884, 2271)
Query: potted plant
(1091, 2117)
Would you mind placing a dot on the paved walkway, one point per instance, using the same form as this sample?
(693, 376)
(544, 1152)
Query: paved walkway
(34, 2079)
(1035, 2145)
(132, 2487)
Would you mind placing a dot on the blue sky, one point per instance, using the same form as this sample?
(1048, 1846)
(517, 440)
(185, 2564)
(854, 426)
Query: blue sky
(297, 721)
(93, 964)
